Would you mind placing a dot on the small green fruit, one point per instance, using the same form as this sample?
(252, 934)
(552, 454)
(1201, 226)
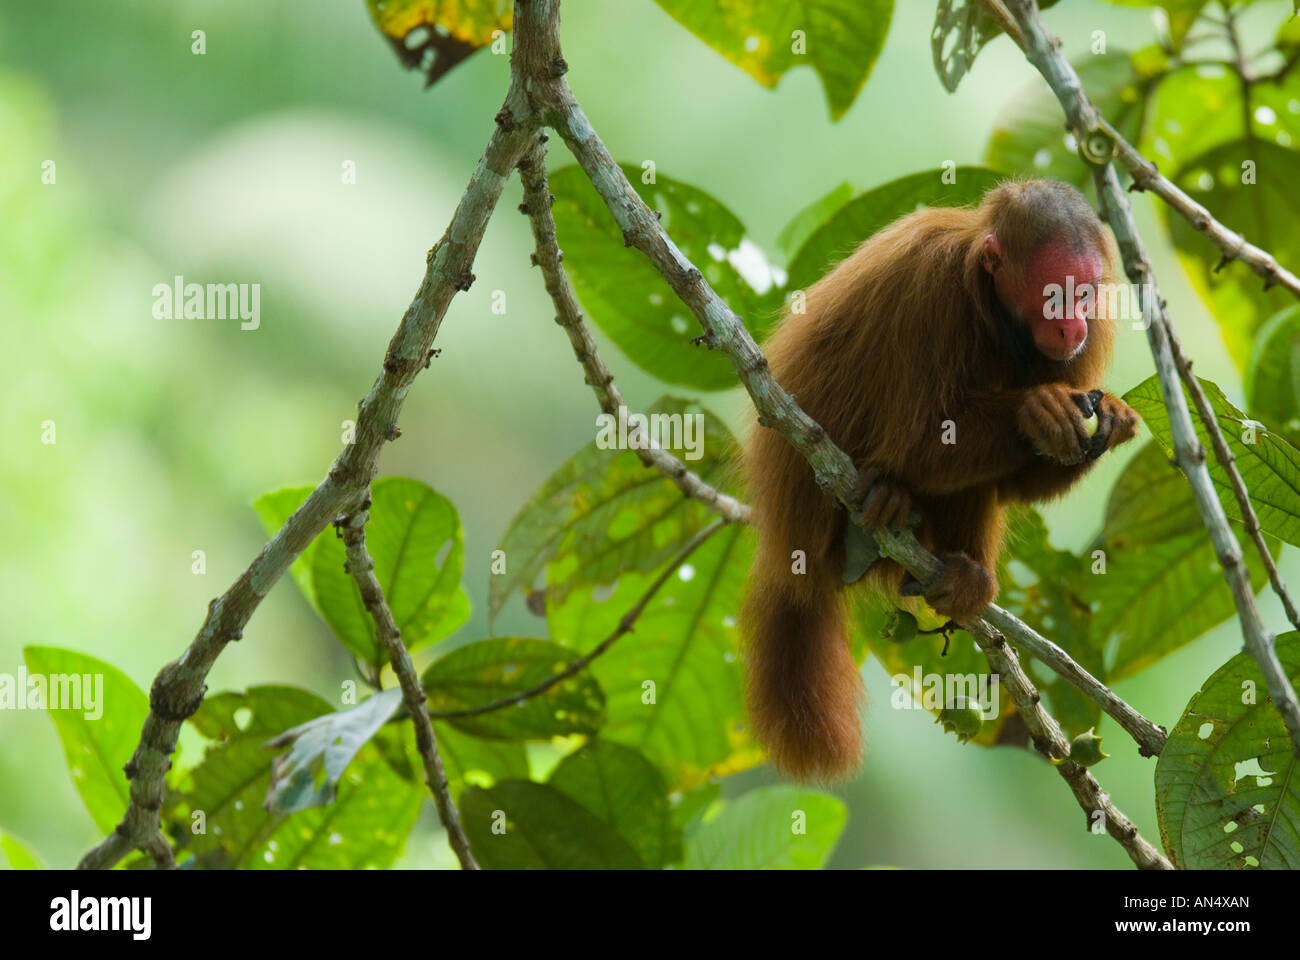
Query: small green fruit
(1091, 424)
(1085, 749)
(963, 721)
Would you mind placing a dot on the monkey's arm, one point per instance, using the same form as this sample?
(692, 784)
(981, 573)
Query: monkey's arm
(975, 444)
(1046, 477)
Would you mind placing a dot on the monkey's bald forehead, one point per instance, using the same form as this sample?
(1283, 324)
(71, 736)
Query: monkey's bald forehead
(1027, 214)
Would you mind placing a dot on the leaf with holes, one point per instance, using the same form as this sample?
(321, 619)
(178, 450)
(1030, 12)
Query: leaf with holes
(1268, 464)
(840, 39)
(603, 513)
(1227, 788)
(772, 828)
(865, 214)
(479, 673)
(415, 539)
(1163, 586)
(632, 303)
(98, 712)
(673, 687)
(961, 29)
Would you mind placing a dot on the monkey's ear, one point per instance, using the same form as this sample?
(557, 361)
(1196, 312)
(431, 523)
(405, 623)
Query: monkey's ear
(991, 256)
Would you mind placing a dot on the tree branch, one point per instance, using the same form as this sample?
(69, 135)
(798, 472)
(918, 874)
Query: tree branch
(178, 689)
(1146, 176)
(537, 204)
(359, 563)
(1172, 366)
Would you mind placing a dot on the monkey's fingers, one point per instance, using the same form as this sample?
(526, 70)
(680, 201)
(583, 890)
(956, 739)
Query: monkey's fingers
(867, 478)
(1051, 419)
(1124, 420)
(888, 505)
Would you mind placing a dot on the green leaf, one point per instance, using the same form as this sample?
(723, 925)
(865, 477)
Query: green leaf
(867, 213)
(961, 29)
(471, 762)
(771, 828)
(673, 686)
(603, 513)
(466, 760)
(1227, 788)
(519, 825)
(1269, 466)
(308, 775)
(415, 539)
(1264, 211)
(841, 39)
(1029, 138)
(1273, 377)
(273, 509)
(626, 791)
(479, 673)
(628, 298)
(1040, 584)
(1163, 586)
(804, 223)
(16, 855)
(99, 745)
(365, 826)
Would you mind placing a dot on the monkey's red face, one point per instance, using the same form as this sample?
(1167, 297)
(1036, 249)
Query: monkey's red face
(1053, 295)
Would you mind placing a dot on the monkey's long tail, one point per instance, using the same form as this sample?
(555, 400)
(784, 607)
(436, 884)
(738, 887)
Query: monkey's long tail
(803, 689)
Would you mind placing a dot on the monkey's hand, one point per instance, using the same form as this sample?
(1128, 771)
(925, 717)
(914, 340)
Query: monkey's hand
(963, 589)
(882, 500)
(1116, 423)
(1052, 420)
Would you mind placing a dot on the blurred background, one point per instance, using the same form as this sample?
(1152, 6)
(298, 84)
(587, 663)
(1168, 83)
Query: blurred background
(226, 167)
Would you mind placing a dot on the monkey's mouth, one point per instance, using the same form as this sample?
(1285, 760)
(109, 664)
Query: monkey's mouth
(1060, 350)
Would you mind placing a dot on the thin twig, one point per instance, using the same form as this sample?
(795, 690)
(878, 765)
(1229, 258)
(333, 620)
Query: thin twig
(537, 204)
(624, 626)
(723, 330)
(352, 529)
(1172, 367)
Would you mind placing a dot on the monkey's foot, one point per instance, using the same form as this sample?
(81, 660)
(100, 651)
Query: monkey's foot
(963, 590)
(884, 501)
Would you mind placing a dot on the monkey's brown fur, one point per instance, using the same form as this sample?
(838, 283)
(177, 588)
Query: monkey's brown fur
(905, 334)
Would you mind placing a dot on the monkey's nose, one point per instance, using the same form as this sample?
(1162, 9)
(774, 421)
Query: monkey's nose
(1074, 333)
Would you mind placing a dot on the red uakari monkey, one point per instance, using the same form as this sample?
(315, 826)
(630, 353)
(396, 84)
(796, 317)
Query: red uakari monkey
(937, 356)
